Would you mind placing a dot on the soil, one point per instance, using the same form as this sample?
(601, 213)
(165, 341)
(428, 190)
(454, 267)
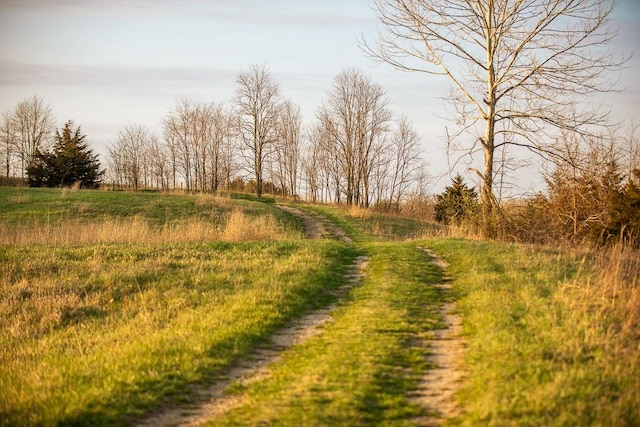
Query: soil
(438, 387)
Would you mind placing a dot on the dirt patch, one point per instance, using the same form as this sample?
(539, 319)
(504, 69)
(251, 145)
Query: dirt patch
(438, 387)
(313, 228)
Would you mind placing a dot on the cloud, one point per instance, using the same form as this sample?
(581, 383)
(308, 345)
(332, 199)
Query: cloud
(22, 74)
(291, 13)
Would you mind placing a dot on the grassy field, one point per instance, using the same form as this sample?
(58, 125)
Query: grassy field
(115, 303)
(366, 362)
(553, 335)
(102, 331)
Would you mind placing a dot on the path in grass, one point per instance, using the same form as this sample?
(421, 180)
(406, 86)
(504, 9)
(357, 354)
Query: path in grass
(317, 226)
(212, 401)
(438, 387)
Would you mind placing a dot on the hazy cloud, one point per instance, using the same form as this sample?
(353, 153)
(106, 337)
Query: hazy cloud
(21, 74)
(258, 12)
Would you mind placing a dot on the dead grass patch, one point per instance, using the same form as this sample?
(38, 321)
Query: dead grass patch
(359, 212)
(236, 226)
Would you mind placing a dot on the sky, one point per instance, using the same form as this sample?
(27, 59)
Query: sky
(109, 63)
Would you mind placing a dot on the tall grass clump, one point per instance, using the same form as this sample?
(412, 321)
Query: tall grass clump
(604, 302)
(236, 226)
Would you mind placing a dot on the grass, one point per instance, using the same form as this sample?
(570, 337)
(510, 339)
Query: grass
(360, 370)
(52, 216)
(101, 333)
(100, 327)
(549, 344)
(114, 302)
(366, 226)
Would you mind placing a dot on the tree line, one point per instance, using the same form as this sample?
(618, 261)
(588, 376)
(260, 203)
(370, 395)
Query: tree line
(355, 151)
(522, 77)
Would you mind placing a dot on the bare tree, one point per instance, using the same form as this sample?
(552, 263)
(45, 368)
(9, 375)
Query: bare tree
(257, 99)
(287, 149)
(355, 117)
(519, 70)
(8, 142)
(159, 163)
(313, 165)
(178, 125)
(406, 161)
(630, 149)
(33, 124)
(129, 155)
(220, 147)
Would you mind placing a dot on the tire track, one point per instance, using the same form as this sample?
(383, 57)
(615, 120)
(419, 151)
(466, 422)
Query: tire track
(438, 387)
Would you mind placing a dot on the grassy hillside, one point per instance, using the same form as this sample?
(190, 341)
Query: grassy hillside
(114, 304)
(553, 335)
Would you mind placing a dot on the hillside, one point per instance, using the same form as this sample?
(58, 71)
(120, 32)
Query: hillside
(150, 309)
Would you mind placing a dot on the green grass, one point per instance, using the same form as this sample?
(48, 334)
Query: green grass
(40, 205)
(366, 362)
(372, 226)
(96, 334)
(543, 347)
(102, 333)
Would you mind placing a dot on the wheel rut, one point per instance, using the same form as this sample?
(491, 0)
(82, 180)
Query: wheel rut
(316, 226)
(438, 387)
(212, 401)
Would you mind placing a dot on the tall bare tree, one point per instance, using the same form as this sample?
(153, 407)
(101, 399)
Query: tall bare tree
(160, 164)
(520, 70)
(129, 159)
(257, 100)
(406, 163)
(317, 161)
(288, 146)
(33, 123)
(178, 133)
(355, 117)
(220, 147)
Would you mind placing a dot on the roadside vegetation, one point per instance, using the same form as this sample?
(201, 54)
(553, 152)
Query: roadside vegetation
(553, 334)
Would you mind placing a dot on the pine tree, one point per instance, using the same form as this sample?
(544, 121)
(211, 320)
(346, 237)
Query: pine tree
(71, 161)
(457, 203)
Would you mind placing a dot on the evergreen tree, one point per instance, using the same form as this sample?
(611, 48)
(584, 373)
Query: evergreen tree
(457, 203)
(624, 210)
(69, 162)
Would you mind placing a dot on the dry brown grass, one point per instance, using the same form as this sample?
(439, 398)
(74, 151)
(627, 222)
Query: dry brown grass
(616, 288)
(70, 190)
(604, 302)
(235, 226)
(452, 231)
(359, 212)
